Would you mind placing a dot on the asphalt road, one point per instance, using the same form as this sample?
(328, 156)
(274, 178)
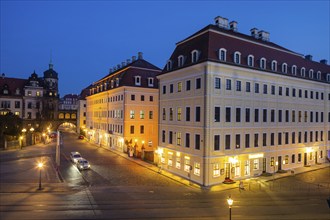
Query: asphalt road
(118, 188)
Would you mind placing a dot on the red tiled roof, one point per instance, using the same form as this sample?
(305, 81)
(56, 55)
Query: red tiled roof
(12, 84)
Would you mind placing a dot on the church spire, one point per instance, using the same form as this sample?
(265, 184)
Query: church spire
(50, 61)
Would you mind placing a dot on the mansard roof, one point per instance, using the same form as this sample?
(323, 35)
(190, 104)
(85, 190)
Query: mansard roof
(11, 85)
(211, 38)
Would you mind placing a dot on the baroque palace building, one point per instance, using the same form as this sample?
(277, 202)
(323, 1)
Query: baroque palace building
(235, 106)
(122, 108)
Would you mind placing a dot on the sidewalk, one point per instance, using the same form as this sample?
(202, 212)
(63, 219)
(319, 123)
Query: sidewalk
(220, 187)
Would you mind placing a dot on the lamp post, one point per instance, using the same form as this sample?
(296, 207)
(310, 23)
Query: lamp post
(23, 131)
(40, 165)
(230, 203)
(32, 130)
(44, 137)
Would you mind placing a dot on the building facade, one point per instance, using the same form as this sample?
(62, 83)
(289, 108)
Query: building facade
(235, 106)
(122, 108)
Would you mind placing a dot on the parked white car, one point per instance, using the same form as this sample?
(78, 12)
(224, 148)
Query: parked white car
(75, 156)
(82, 164)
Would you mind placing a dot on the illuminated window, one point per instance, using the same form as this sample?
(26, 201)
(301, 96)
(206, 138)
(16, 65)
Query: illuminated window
(216, 170)
(178, 162)
(170, 159)
(132, 114)
(187, 166)
(256, 164)
(179, 86)
(178, 138)
(141, 114)
(197, 169)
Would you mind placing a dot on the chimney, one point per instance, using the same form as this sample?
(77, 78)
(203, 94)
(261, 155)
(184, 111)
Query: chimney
(324, 61)
(309, 57)
(110, 70)
(128, 61)
(3, 75)
(133, 58)
(140, 55)
(254, 32)
(233, 26)
(123, 64)
(118, 66)
(221, 22)
(114, 68)
(263, 35)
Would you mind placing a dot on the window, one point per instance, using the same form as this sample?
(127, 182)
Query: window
(169, 65)
(247, 140)
(247, 115)
(164, 89)
(132, 97)
(293, 137)
(198, 114)
(171, 88)
(280, 91)
(256, 140)
(228, 84)
(150, 82)
(293, 92)
(284, 68)
(264, 115)
(141, 114)
(198, 83)
(286, 115)
(194, 56)
(286, 137)
(279, 138)
(286, 159)
(216, 114)
(179, 86)
(164, 114)
(293, 158)
(279, 115)
(228, 114)
(272, 115)
(188, 83)
(264, 139)
(216, 142)
(265, 89)
(132, 129)
(197, 169)
(17, 104)
(142, 97)
(138, 80)
(237, 57)
(274, 65)
(293, 116)
(179, 114)
(250, 60)
(238, 141)
(238, 114)
(248, 87)
(180, 61)
(197, 141)
(328, 77)
(187, 142)
(227, 145)
(170, 137)
(216, 170)
(311, 74)
(287, 91)
(238, 85)
(263, 63)
(151, 98)
(150, 114)
(222, 54)
(141, 129)
(178, 138)
(256, 87)
(132, 114)
(187, 113)
(256, 115)
(302, 72)
(217, 83)
(294, 70)
(272, 139)
(171, 114)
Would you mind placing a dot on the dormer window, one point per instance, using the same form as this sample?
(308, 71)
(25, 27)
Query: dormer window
(318, 75)
(284, 68)
(138, 80)
(250, 60)
(5, 91)
(18, 91)
(294, 70)
(222, 54)
(237, 57)
(303, 72)
(105, 86)
(112, 83)
(150, 82)
(194, 56)
(311, 74)
(328, 77)
(117, 82)
(101, 88)
(274, 65)
(180, 60)
(263, 63)
(169, 65)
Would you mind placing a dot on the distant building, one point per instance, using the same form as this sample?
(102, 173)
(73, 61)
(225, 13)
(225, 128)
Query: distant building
(81, 111)
(122, 107)
(69, 102)
(234, 106)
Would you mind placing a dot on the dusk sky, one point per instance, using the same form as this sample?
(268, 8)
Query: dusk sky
(86, 38)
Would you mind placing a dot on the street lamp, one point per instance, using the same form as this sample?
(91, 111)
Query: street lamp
(230, 203)
(32, 130)
(23, 131)
(40, 165)
(44, 137)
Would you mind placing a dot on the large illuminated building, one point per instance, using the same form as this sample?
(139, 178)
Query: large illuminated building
(234, 106)
(122, 108)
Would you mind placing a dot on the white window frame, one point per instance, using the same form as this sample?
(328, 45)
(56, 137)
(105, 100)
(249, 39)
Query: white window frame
(169, 65)
(318, 75)
(238, 55)
(150, 81)
(225, 54)
(311, 74)
(180, 60)
(274, 65)
(194, 56)
(284, 68)
(303, 72)
(294, 70)
(252, 60)
(328, 77)
(263, 61)
(137, 80)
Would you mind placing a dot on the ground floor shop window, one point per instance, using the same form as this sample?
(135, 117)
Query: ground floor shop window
(247, 168)
(256, 164)
(170, 161)
(187, 165)
(216, 170)
(197, 169)
(162, 158)
(178, 163)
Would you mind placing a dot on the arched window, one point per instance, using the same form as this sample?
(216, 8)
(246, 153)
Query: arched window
(311, 74)
(250, 60)
(318, 75)
(294, 70)
(222, 54)
(274, 65)
(237, 57)
(180, 60)
(284, 68)
(169, 65)
(263, 63)
(194, 56)
(303, 72)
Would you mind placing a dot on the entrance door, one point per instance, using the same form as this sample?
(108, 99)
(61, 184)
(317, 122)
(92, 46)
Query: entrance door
(279, 163)
(305, 159)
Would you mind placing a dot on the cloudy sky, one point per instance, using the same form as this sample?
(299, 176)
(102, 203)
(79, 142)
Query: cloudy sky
(86, 38)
